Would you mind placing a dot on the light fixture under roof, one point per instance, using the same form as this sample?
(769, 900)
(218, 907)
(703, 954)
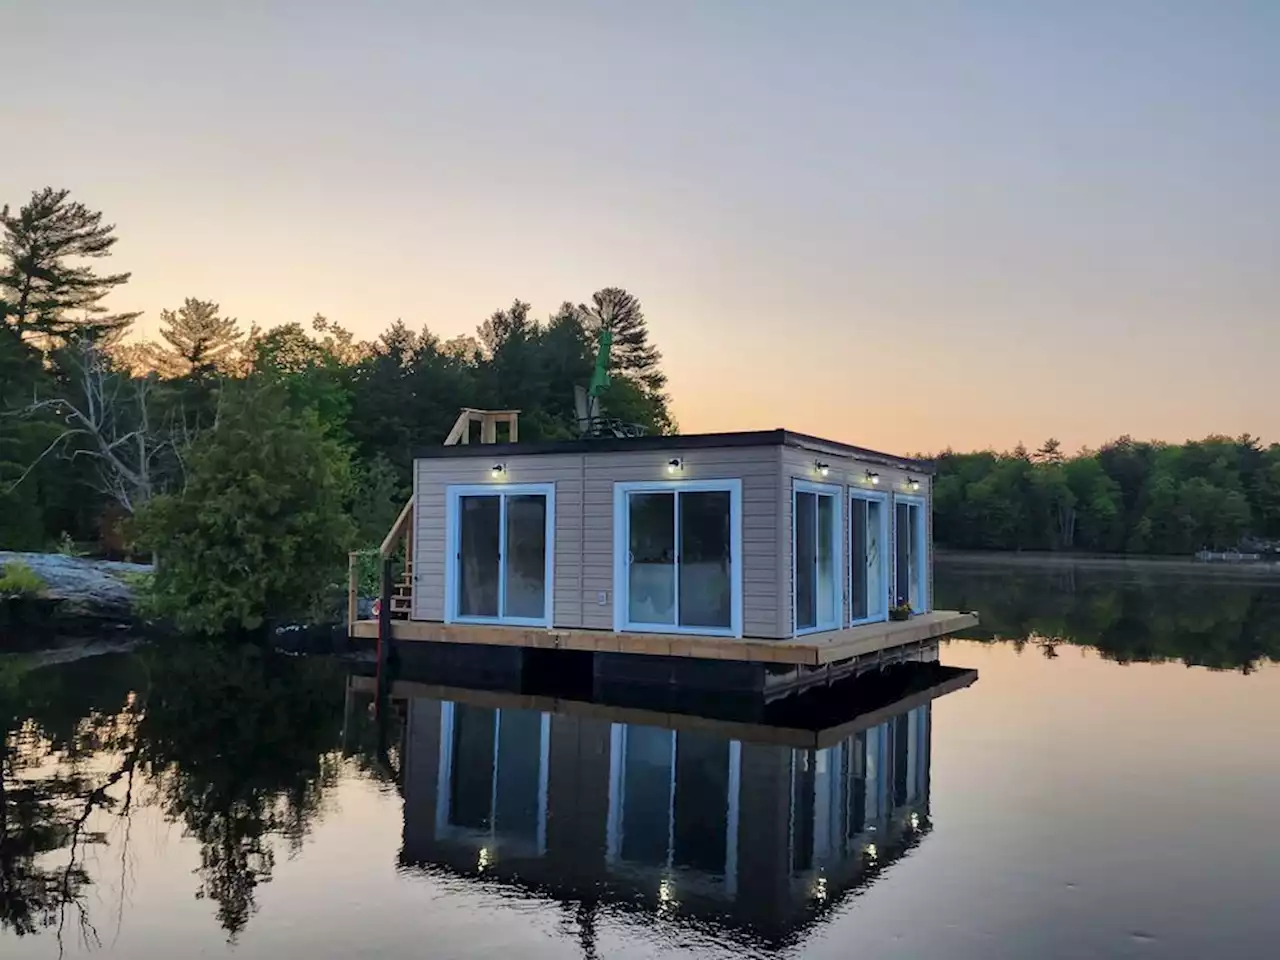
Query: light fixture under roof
(498, 469)
(675, 465)
(822, 468)
(873, 478)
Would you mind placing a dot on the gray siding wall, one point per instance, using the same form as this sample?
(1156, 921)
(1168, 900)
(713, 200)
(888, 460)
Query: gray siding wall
(846, 473)
(584, 525)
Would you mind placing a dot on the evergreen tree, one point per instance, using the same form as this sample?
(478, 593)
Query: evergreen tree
(23, 500)
(201, 342)
(48, 294)
(260, 530)
(633, 355)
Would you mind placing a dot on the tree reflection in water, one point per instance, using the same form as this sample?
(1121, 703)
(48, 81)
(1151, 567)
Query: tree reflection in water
(239, 744)
(235, 743)
(1139, 614)
(66, 756)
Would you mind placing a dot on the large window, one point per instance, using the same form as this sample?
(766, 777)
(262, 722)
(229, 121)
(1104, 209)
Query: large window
(492, 782)
(910, 569)
(868, 557)
(677, 564)
(673, 800)
(815, 539)
(500, 557)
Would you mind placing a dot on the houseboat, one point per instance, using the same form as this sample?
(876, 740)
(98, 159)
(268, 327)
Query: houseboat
(758, 561)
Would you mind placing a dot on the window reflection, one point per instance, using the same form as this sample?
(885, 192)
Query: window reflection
(712, 818)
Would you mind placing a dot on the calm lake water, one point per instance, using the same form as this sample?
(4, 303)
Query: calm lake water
(1107, 786)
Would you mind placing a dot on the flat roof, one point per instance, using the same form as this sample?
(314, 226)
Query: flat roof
(680, 441)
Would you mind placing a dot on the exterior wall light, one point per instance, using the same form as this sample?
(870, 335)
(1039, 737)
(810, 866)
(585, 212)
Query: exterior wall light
(498, 470)
(873, 478)
(913, 483)
(675, 465)
(822, 468)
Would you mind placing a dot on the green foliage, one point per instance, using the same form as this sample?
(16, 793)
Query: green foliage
(26, 494)
(201, 341)
(1127, 497)
(314, 373)
(369, 573)
(260, 529)
(47, 290)
(19, 580)
(377, 499)
(67, 547)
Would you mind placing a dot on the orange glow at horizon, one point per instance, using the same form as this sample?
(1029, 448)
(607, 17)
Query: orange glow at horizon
(905, 229)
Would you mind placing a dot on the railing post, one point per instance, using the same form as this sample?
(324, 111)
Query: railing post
(353, 590)
(384, 630)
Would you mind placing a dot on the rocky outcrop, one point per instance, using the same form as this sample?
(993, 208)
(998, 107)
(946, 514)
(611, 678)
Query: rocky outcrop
(74, 589)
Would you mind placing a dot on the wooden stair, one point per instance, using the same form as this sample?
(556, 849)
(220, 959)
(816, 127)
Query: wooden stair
(402, 594)
(401, 533)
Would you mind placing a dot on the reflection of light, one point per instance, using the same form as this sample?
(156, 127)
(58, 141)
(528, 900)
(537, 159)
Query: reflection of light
(871, 851)
(915, 821)
(483, 860)
(820, 888)
(666, 896)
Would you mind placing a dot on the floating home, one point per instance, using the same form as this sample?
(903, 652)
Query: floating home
(760, 561)
(755, 828)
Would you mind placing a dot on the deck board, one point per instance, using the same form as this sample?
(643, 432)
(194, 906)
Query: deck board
(815, 650)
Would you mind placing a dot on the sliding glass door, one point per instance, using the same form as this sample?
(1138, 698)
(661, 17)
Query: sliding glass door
(677, 568)
(868, 557)
(500, 563)
(910, 565)
(815, 538)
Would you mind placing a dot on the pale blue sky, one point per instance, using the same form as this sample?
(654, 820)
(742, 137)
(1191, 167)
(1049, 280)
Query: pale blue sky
(905, 224)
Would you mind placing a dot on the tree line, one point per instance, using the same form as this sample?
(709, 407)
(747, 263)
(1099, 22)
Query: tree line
(221, 441)
(1128, 496)
(252, 459)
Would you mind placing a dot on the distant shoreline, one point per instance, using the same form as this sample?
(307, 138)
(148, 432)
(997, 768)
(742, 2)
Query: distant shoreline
(1008, 558)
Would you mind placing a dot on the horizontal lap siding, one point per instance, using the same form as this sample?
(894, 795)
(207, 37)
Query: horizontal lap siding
(756, 467)
(433, 476)
(849, 473)
(584, 524)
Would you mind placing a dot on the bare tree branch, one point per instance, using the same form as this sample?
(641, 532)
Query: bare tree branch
(111, 414)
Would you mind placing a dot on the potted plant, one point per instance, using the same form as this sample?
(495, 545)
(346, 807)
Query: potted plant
(902, 611)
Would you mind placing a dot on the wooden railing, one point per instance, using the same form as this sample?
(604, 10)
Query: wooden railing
(488, 420)
(402, 529)
(402, 595)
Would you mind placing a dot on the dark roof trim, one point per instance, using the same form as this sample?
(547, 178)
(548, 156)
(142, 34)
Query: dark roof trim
(685, 441)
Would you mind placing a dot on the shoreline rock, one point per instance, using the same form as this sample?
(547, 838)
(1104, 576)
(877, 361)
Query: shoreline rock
(77, 594)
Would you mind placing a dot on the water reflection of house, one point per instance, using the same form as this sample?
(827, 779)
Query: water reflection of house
(754, 827)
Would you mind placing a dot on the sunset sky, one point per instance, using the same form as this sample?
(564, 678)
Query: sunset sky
(909, 225)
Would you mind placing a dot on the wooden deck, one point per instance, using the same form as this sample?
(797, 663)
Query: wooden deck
(812, 651)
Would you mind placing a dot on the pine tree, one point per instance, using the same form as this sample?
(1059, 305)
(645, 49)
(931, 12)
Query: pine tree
(614, 309)
(48, 294)
(201, 342)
